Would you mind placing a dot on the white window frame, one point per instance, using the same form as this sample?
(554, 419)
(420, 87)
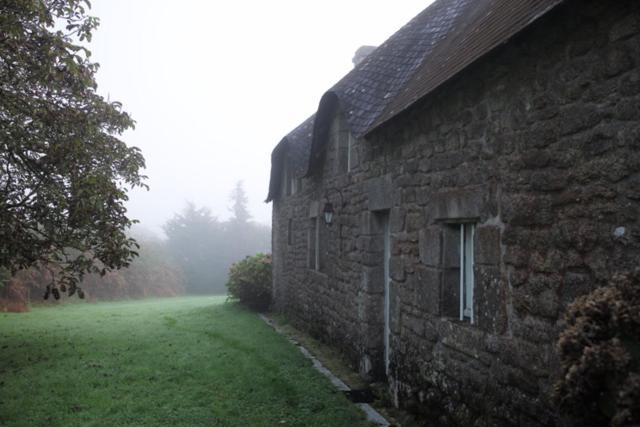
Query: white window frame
(349, 148)
(387, 293)
(317, 244)
(286, 184)
(313, 242)
(344, 145)
(467, 279)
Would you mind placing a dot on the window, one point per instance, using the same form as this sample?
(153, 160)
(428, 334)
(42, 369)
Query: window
(314, 244)
(458, 279)
(345, 145)
(295, 184)
(317, 248)
(467, 232)
(290, 184)
(286, 181)
(350, 144)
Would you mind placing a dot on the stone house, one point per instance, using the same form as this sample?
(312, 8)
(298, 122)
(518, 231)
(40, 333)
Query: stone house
(480, 170)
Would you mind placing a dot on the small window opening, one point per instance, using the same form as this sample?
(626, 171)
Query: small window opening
(467, 232)
(350, 144)
(459, 281)
(345, 145)
(286, 179)
(314, 244)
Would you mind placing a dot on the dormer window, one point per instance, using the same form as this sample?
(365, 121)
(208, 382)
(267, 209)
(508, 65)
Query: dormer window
(290, 184)
(286, 183)
(350, 146)
(345, 145)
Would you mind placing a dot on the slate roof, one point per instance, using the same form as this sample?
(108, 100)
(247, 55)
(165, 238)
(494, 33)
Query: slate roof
(295, 149)
(432, 48)
(376, 81)
(299, 143)
(474, 28)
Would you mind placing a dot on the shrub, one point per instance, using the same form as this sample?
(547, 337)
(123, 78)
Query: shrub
(600, 355)
(250, 281)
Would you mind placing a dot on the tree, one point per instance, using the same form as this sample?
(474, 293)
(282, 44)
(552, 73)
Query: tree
(64, 172)
(245, 237)
(239, 201)
(152, 273)
(194, 237)
(206, 248)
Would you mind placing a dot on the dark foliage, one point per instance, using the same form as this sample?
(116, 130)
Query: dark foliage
(205, 248)
(64, 172)
(250, 281)
(600, 355)
(239, 202)
(152, 274)
(197, 242)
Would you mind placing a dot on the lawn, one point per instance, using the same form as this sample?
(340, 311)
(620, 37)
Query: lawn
(165, 362)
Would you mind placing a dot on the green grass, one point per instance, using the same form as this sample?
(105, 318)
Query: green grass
(175, 362)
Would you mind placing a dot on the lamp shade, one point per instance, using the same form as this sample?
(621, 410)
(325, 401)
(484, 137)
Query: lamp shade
(328, 213)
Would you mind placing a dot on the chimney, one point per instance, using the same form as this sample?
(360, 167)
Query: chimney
(362, 53)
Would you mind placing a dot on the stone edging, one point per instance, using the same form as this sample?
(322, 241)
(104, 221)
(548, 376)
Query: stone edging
(372, 415)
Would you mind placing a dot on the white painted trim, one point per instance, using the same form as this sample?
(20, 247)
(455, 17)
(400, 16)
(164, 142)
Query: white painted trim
(461, 267)
(467, 266)
(309, 265)
(471, 280)
(349, 148)
(387, 294)
(285, 179)
(317, 245)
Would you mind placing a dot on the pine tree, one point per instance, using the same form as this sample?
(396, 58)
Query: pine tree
(239, 201)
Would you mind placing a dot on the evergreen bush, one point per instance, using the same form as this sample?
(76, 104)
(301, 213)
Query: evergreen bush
(250, 281)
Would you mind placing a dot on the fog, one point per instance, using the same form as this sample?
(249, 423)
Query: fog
(213, 86)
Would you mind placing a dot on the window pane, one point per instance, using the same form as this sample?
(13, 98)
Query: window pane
(349, 148)
(317, 243)
(311, 244)
(450, 296)
(468, 271)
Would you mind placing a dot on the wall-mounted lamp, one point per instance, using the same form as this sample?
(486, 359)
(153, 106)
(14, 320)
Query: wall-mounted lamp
(328, 213)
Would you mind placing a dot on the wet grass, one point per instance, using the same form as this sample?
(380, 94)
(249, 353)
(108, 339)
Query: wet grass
(167, 362)
(335, 361)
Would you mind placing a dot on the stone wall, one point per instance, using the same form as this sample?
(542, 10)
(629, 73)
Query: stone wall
(538, 146)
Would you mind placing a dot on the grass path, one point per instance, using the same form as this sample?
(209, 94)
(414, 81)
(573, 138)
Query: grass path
(166, 362)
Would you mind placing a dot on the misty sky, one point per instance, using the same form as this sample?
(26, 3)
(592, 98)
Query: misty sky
(214, 85)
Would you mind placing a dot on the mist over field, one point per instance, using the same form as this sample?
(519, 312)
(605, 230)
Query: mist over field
(200, 95)
(135, 150)
(453, 240)
(214, 86)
